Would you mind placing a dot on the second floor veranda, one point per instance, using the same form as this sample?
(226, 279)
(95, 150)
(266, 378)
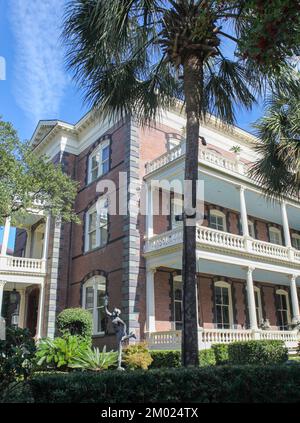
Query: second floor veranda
(237, 218)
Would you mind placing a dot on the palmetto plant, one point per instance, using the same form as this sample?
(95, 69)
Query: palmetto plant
(278, 168)
(93, 359)
(137, 57)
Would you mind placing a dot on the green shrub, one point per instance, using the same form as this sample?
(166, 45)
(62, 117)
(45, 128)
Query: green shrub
(16, 359)
(165, 359)
(221, 353)
(258, 352)
(225, 384)
(207, 357)
(60, 353)
(75, 321)
(137, 356)
(93, 359)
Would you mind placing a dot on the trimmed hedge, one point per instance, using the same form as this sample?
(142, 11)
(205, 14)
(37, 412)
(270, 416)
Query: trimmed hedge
(221, 353)
(199, 385)
(257, 352)
(76, 321)
(172, 358)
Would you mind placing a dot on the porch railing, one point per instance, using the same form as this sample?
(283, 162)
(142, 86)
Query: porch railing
(225, 240)
(207, 337)
(22, 265)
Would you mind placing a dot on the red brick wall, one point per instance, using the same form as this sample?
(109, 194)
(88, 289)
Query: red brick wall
(162, 290)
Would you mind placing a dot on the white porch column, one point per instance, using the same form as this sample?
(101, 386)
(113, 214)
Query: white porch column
(251, 299)
(40, 312)
(28, 243)
(285, 223)
(150, 300)
(5, 237)
(22, 308)
(294, 298)
(46, 238)
(244, 217)
(149, 211)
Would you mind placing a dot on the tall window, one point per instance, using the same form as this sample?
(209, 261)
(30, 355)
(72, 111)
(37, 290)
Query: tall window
(96, 226)
(258, 306)
(176, 209)
(99, 161)
(283, 309)
(223, 305)
(251, 229)
(93, 301)
(217, 220)
(296, 241)
(275, 235)
(177, 293)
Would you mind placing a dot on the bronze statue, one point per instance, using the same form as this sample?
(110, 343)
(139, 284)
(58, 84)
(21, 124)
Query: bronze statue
(120, 330)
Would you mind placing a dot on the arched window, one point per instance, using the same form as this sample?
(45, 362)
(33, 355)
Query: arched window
(217, 220)
(275, 235)
(258, 306)
(296, 241)
(93, 300)
(96, 225)
(251, 228)
(177, 295)
(283, 309)
(98, 161)
(223, 305)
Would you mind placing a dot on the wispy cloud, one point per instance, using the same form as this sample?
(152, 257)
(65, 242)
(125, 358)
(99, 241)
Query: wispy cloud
(40, 77)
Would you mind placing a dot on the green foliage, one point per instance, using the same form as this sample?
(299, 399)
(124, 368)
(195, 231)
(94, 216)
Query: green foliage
(137, 356)
(221, 353)
(27, 179)
(224, 384)
(60, 353)
(93, 359)
(257, 352)
(16, 358)
(207, 357)
(75, 321)
(165, 358)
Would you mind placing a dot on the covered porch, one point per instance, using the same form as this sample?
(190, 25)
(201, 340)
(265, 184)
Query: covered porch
(238, 300)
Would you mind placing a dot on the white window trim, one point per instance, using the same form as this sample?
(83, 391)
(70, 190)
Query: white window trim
(223, 284)
(176, 279)
(283, 292)
(218, 213)
(177, 199)
(295, 236)
(98, 150)
(93, 282)
(86, 235)
(260, 314)
(277, 231)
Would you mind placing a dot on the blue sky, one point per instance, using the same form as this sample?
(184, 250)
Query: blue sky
(37, 84)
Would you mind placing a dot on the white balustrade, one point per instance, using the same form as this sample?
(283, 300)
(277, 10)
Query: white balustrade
(297, 255)
(164, 240)
(166, 158)
(22, 265)
(271, 250)
(208, 337)
(219, 238)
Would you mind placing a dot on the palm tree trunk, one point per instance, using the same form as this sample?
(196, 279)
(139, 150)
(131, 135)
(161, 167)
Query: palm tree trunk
(192, 89)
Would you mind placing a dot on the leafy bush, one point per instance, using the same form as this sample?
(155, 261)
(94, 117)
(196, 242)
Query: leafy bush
(60, 353)
(75, 321)
(257, 352)
(93, 359)
(225, 384)
(137, 356)
(16, 359)
(221, 353)
(165, 359)
(207, 357)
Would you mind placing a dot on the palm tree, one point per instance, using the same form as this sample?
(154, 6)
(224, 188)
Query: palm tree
(278, 166)
(138, 57)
